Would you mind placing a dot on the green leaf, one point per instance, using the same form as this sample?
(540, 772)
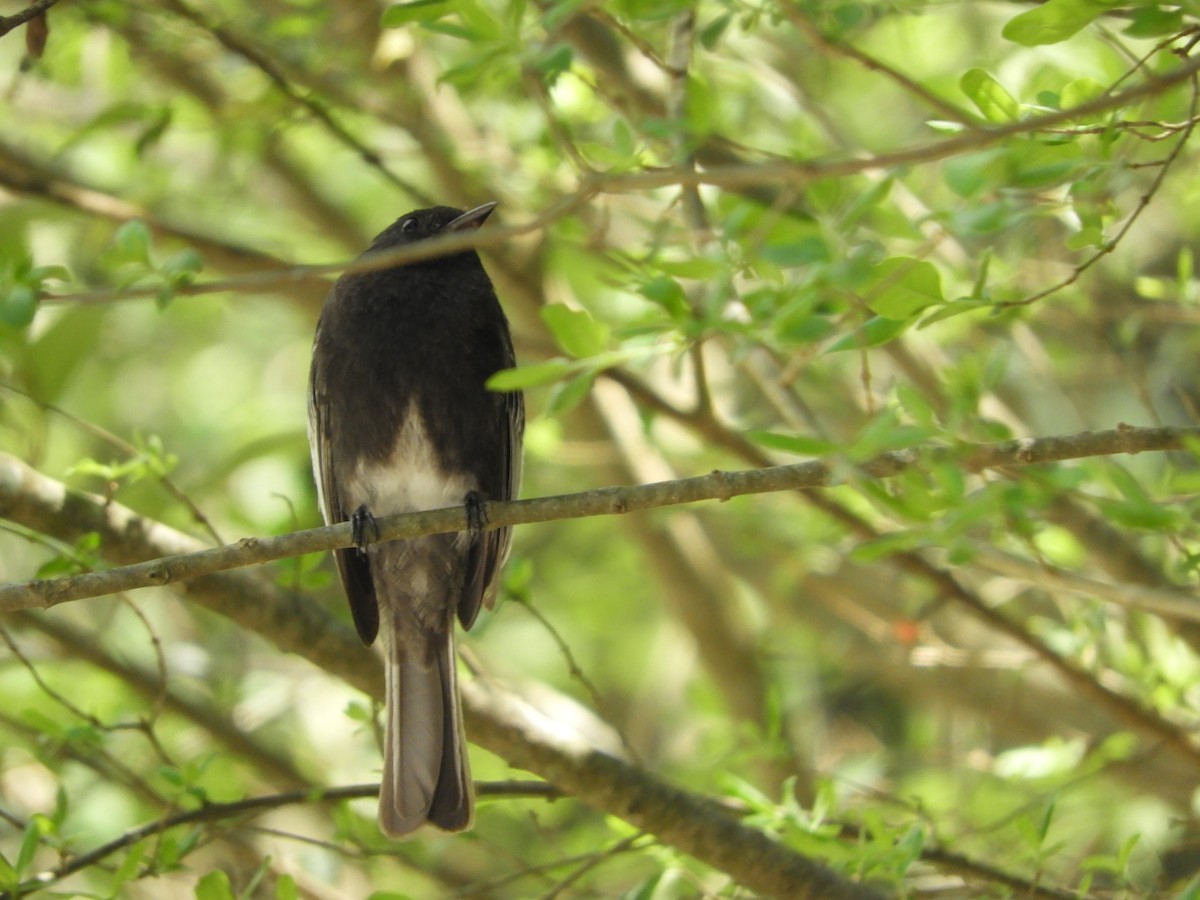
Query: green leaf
(575, 331)
(667, 293)
(698, 267)
(49, 273)
(566, 395)
(1080, 91)
(553, 63)
(1152, 22)
(711, 33)
(35, 830)
(623, 142)
(970, 173)
(989, 96)
(130, 866)
(1053, 21)
(533, 375)
(886, 545)
(875, 331)
(903, 287)
(8, 875)
(1147, 515)
(18, 305)
(214, 886)
(132, 242)
(413, 11)
(803, 252)
(183, 262)
(285, 888)
(700, 106)
(883, 433)
(792, 443)
(952, 309)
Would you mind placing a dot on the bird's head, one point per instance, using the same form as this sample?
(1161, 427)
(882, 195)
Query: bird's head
(422, 224)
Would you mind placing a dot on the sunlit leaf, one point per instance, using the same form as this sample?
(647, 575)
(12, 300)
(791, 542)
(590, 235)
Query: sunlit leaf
(532, 375)
(989, 96)
(903, 287)
(1053, 21)
(575, 331)
(414, 11)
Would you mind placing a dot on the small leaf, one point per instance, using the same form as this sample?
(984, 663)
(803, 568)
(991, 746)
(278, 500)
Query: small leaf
(413, 11)
(35, 829)
(698, 267)
(1147, 515)
(18, 305)
(214, 886)
(804, 252)
(952, 309)
(575, 331)
(8, 875)
(566, 395)
(667, 293)
(1053, 21)
(970, 173)
(553, 63)
(875, 331)
(533, 375)
(49, 273)
(285, 888)
(1152, 22)
(132, 242)
(700, 106)
(886, 545)
(623, 138)
(1080, 91)
(904, 286)
(989, 96)
(883, 433)
(129, 867)
(183, 262)
(711, 33)
(792, 443)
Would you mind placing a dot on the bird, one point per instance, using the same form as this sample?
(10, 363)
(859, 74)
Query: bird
(401, 420)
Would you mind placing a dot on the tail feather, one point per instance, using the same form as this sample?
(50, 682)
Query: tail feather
(425, 771)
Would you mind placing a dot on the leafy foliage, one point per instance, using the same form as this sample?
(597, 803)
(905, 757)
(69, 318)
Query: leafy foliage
(740, 233)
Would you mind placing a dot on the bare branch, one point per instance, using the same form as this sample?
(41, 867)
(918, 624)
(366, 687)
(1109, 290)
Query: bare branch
(31, 12)
(221, 812)
(601, 502)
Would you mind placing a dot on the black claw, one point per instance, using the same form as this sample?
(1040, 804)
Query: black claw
(360, 520)
(476, 511)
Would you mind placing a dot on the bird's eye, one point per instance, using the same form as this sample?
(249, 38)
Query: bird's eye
(408, 226)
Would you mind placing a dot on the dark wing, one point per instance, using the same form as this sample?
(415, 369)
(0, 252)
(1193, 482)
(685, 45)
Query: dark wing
(490, 550)
(351, 565)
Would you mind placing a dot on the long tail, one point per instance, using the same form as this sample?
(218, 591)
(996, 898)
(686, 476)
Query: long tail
(425, 771)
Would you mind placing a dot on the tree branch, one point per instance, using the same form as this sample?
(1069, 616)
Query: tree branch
(220, 812)
(16, 480)
(496, 720)
(16, 20)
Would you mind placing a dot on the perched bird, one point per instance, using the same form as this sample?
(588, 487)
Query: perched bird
(400, 420)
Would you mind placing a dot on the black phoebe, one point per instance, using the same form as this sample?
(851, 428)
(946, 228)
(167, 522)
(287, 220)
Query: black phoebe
(400, 421)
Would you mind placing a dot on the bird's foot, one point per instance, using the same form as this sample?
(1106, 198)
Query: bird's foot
(476, 511)
(360, 520)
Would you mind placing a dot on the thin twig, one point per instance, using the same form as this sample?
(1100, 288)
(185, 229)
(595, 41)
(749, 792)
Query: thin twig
(31, 12)
(218, 812)
(601, 502)
(275, 74)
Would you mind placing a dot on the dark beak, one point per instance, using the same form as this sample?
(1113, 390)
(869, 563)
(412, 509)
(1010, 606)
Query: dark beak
(472, 218)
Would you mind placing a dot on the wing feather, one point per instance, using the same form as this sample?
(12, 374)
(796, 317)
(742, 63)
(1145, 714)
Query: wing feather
(352, 567)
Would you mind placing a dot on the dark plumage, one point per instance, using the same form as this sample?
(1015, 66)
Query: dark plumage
(399, 421)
